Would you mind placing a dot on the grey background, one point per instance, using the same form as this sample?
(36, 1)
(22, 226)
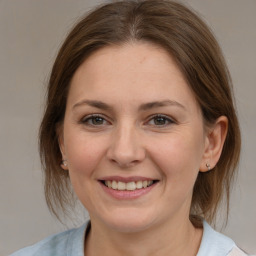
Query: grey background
(31, 31)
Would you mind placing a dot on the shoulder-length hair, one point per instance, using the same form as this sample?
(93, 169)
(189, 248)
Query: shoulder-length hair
(190, 42)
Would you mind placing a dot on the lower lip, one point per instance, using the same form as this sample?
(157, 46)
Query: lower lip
(127, 194)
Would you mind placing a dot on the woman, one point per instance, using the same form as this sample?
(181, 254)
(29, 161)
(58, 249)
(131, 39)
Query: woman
(140, 122)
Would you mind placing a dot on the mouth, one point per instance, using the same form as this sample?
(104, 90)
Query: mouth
(128, 186)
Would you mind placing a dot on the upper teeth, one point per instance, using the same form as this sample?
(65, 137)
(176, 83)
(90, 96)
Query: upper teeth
(119, 185)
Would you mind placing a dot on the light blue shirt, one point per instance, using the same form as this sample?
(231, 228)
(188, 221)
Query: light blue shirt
(71, 243)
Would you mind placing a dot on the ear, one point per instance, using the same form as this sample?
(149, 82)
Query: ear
(214, 141)
(59, 132)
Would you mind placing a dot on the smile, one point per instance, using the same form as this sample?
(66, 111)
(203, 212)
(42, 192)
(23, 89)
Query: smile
(130, 186)
(127, 188)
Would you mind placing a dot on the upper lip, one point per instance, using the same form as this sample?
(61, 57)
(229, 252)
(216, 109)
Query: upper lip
(125, 179)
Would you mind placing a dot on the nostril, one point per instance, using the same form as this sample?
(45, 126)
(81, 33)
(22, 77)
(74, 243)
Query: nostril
(124, 161)
(126, 149)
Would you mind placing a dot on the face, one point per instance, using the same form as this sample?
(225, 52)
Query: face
(133, 138)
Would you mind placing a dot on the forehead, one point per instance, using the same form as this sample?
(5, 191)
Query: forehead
(137, 71)
(138, 57)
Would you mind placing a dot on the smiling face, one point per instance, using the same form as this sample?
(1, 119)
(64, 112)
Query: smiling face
(133, 138)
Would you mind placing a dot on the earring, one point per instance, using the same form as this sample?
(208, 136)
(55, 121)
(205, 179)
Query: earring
(64, 164)
(208, 166)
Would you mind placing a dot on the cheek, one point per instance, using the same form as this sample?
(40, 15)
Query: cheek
(83, 153)
(178, 157)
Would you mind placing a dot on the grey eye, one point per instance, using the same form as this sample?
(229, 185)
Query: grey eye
(94, 120)
(97, 120)
(159, 120)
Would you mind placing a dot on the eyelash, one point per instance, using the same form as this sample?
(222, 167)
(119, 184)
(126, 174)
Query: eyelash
(88, 120)
(163, 117)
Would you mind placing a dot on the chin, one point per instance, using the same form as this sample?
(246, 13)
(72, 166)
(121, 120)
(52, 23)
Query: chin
(129, 221)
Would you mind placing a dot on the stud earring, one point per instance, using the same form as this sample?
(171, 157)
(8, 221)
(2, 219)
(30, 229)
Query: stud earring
(64, 164)
(208, 166)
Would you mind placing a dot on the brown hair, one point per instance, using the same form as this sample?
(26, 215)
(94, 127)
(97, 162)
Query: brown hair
(190, 42)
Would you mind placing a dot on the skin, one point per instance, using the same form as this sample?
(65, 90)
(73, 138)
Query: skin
(125, 139)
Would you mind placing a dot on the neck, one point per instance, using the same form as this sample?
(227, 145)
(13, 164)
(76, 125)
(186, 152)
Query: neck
(173, 238)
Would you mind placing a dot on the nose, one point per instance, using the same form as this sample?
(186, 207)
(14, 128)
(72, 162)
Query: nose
(126, 149)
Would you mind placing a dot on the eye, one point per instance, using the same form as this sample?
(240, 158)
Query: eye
(160, 120)
(94, 120)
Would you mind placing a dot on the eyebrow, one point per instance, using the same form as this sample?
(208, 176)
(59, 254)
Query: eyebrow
(164, 103)
(93, 103)
(143, 107)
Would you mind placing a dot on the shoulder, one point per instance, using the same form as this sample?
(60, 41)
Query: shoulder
(237, 252)
(216, 244)
(66, 243)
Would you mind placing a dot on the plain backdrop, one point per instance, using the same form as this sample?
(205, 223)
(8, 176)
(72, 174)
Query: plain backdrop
(31, 31)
